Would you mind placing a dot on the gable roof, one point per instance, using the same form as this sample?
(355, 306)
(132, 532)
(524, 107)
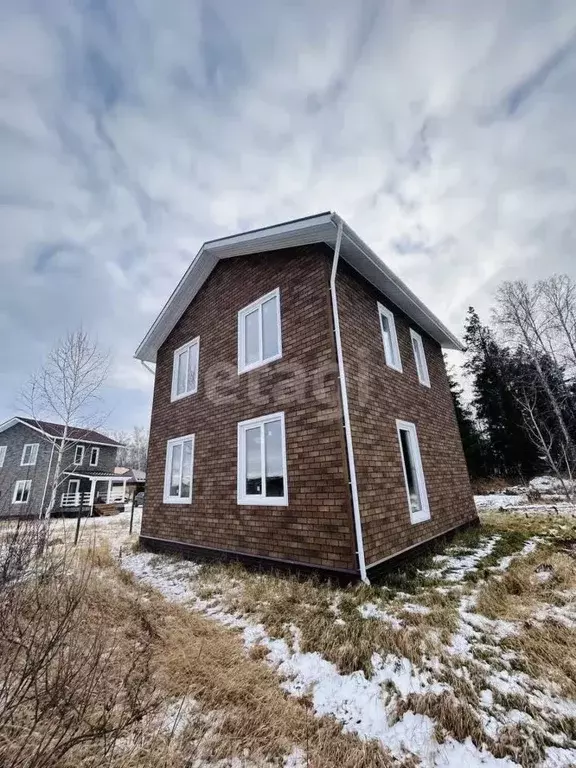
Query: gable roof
(50, 429)
(321, 228)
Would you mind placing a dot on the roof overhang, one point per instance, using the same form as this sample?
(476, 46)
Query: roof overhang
(89, 476)
(313, 229)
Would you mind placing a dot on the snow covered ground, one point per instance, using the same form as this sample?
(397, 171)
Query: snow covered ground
(467, 668)
(542, 496)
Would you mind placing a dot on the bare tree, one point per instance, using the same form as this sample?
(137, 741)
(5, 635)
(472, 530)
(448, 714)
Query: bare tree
(559, 307)
(66, 390)
(522, 316)
(134, 450)
(552, 451)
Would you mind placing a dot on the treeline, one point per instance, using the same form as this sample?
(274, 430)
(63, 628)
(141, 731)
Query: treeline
(521, 368)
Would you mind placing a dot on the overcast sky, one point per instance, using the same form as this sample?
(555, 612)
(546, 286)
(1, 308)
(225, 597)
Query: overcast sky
(130, 132)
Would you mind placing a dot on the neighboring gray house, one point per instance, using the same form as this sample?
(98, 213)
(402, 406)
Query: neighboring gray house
(28, 461)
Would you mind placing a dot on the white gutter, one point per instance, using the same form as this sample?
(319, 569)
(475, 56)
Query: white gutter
(145, 365)
(344, 395)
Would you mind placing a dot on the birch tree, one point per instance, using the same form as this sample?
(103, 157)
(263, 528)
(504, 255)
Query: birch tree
(66, 390)
(520, 314)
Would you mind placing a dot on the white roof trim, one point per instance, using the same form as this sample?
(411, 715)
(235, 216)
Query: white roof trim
(313, 229)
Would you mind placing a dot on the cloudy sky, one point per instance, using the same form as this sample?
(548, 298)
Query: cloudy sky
(130, 132)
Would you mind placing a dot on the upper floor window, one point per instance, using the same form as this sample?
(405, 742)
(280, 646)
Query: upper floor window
(21, 491)
(259, 332)
(389, 338)
(262, 461)
(413, 472)
(29, 455)
(185, 369)
(94, 456)
(420, 358)
(79, 454)
(2, 455)
(178, 471)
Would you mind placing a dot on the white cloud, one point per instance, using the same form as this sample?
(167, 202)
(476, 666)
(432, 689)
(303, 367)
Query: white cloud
(130, 132)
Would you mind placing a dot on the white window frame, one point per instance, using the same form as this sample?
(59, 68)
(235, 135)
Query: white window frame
(2, 455)
(26, 486)
(94, 463)
(188, 391)
(420, 358)
(242, 496)
(168, 470)
(242, 365)
(396, 361)
(33, 455)
(424, 513)
(77, 463)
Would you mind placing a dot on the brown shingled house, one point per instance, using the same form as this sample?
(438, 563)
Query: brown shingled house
(301, 411)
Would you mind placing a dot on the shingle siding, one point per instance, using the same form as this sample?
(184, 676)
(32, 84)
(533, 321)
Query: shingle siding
(316, 526)
(15, 438)
(378, 396)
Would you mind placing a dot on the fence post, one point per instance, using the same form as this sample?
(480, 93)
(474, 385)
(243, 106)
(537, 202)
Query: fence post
(132, 512)
(80, 510)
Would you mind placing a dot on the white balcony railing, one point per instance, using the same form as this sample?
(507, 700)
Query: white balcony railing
(74, 499)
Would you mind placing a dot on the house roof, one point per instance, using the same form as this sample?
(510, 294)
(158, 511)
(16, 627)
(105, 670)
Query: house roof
(50, 429)
(131, 475)
(321, 228)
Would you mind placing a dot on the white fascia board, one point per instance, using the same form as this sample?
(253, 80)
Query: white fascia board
(314, 229)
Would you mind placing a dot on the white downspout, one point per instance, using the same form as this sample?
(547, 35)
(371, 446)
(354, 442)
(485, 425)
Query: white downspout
(345, 409)
(145, 365)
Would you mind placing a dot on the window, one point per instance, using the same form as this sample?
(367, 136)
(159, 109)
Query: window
(185, 370)
(413, 472)
(29, 455)
(2, 455)
(94, 456)
(259, 332)
(262, 461)
(178, 473)
(420, 358)
(21, 492)
(389, 339)
(79, 454)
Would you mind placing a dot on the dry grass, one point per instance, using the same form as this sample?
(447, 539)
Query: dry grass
(548, 653)
(206, 700)
(529, 525)
(519, 591)
(455, 717)
(481, 485)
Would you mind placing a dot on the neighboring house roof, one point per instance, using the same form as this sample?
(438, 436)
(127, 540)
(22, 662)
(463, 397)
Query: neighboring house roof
(50, 429)
(134, 474)
(321, 228)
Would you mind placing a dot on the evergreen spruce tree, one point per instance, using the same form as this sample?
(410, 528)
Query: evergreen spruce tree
(473, 442)
(493, 373)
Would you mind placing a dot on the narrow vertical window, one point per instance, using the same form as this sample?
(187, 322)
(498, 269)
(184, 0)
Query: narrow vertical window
(179, 470)
(2, 455)
(21, 492)
(262, 461)
(79, 454)
(420, 358)
(29, 455)
(259, 332)
(94, 456)
(413, 472)
(389, 338)
(185, 370)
